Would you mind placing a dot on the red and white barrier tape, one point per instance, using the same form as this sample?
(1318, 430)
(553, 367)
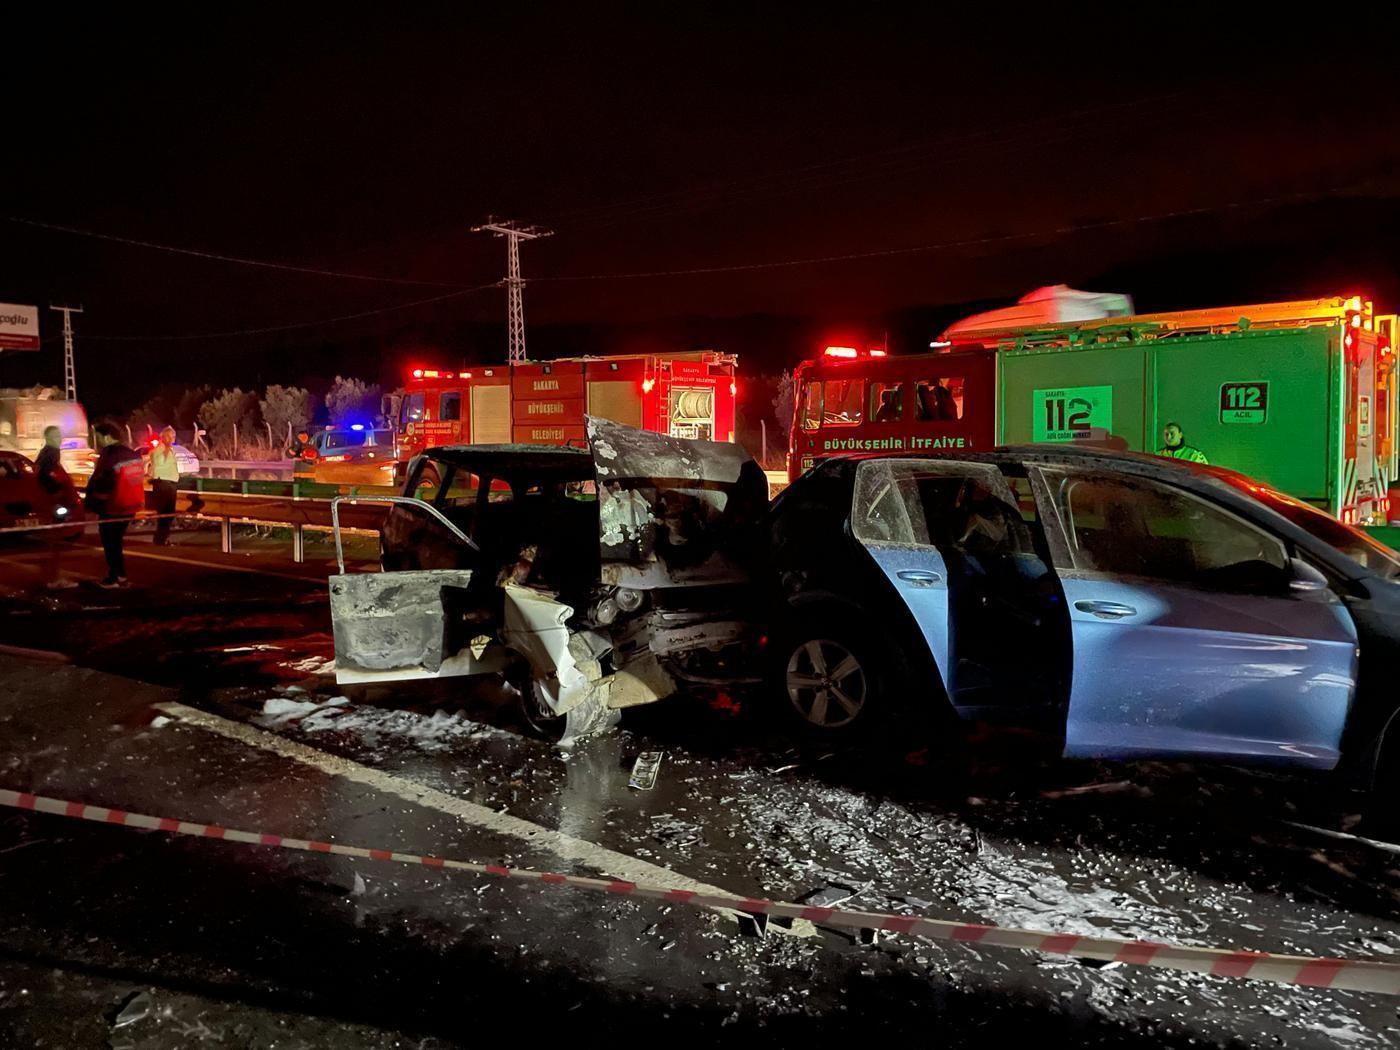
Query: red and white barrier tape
(1353, 974)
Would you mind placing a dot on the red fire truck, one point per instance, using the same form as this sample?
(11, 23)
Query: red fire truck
(853, 400)
(689, 395)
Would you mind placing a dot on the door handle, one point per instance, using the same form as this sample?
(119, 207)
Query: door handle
(920, 577)
(1107, 610)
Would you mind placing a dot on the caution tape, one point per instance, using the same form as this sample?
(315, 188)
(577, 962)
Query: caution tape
(80, 522)
(1361, 975)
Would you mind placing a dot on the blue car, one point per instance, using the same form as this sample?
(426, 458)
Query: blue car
(1133, 606)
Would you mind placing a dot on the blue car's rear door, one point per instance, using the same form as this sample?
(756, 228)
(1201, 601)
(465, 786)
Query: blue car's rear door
(1192, 634)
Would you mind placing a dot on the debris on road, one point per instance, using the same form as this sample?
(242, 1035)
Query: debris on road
(644, 770)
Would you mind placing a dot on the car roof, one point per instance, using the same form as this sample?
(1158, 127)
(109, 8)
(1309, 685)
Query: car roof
(518, 461)
(1084, 454)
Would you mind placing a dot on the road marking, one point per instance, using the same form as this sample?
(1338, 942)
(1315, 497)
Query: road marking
(567, 847)
(196, 563)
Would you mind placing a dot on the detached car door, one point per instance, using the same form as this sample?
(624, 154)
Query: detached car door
(1194, 630)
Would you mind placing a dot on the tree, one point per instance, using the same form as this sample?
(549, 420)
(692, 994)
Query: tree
(352, 399)
(785, 402)
(286, 408)
(220, 415)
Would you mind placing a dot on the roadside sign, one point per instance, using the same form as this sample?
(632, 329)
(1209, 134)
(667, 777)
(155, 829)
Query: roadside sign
(1244, 402)
(1074, 413)
(19, 327)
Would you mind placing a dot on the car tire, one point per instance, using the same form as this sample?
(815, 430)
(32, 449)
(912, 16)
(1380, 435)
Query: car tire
(830, 676)
(536, 713)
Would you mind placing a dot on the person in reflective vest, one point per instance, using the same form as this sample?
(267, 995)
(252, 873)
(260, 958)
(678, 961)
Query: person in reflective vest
(1174, 445)
(164, 469)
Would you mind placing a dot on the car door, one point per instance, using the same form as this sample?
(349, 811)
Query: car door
(1194, 631)
(953, 541)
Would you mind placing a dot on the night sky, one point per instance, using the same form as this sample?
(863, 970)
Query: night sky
(1188, 168)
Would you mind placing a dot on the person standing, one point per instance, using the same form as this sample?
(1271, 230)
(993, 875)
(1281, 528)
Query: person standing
(115, 493)
(1174, 445)
(163, 468)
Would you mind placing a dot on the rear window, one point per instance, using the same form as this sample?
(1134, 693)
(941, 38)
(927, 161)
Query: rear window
(332, 440)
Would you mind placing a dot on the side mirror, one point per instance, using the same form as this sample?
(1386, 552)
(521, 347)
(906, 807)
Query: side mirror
(1305, 579)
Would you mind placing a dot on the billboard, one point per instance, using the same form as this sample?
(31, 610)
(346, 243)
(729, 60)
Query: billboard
(19, 327)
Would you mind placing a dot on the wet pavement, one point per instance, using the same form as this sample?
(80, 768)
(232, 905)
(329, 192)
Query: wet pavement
(113, 937)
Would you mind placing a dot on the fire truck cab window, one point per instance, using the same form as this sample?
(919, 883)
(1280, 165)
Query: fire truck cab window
(842, 402)
(886, 402)
(412, 410)
(811, 406)
(939, 400)
(450, 406)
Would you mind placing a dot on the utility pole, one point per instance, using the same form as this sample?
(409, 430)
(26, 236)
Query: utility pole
(514, 233)
(70, 379)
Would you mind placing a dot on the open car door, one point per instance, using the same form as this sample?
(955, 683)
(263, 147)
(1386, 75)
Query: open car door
(1196, 632)
(959, 541)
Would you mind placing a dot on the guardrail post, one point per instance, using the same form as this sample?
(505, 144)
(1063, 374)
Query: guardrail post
(226, 535)
(298, 544)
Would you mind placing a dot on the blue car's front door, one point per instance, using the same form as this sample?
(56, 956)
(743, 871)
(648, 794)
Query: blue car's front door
(1192, 632)
(959, 543)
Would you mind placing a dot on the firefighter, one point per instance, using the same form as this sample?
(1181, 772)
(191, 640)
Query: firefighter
(1174, 445)
(115, 493)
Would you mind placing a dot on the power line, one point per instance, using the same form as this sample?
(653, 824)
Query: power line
(959, 243)
(860, 166)
(219, 257)
(292, 327)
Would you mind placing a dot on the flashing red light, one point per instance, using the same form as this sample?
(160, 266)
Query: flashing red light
(878, 353)
(841, 351)
(733, 389)
(430, 373)
(417, 373)
(647, 385)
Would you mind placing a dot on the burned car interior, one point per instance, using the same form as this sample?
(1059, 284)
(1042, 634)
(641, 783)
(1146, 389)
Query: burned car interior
(609, 571)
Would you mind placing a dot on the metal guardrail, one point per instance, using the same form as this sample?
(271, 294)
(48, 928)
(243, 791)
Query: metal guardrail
(247, 466)
(405, 500)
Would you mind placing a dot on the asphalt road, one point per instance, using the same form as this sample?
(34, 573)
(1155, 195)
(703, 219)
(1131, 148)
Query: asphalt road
(114, 937)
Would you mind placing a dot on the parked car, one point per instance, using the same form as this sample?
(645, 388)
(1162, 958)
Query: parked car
(595, 578)
(1133, 605)
(23, 501)
(353, 455)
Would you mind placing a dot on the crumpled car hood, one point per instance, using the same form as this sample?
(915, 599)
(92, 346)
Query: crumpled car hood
(673, 511)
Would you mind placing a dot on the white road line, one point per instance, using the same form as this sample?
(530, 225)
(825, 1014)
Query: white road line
(599, 858)
(195, 563)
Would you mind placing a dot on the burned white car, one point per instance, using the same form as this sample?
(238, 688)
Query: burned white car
(594, 579)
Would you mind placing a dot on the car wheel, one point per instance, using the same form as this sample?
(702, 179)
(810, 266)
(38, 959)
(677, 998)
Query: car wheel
(537, 714)
(829, 680)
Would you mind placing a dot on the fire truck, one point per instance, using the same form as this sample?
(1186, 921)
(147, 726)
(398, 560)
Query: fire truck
(1301, 395)
(690, 395)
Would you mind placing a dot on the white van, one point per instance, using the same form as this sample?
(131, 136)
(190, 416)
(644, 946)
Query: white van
(23, 417)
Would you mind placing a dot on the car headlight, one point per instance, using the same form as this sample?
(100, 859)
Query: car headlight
(629, 600)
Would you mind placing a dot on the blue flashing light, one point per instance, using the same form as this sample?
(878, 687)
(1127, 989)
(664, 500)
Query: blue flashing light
(357, 426)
